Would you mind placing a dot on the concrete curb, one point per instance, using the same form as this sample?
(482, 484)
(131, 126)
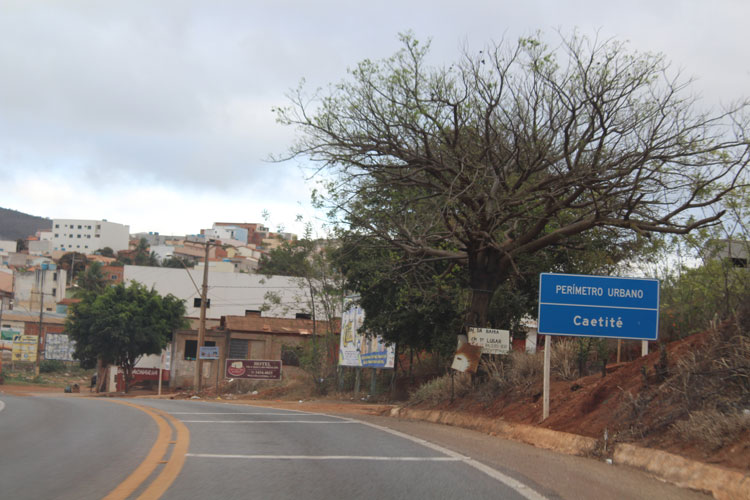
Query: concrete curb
(563, 442)
(722, 483)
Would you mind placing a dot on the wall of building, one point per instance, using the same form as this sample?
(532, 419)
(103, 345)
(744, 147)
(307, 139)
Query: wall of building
(88, 236)
(27, 286)
(261, 346)
(231, 294)
(7, 246)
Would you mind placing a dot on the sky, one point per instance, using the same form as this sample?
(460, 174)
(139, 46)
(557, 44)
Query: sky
(158, 114)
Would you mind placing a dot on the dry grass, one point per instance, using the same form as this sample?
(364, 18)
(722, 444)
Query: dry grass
(439, 389)
(564, 359)
(713, 429)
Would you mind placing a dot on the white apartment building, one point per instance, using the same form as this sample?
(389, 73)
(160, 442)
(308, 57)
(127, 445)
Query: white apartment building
(88, 236)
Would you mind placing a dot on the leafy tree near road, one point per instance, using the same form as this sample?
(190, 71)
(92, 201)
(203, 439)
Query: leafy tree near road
(121, 324)
(322, 286)
(515, 150)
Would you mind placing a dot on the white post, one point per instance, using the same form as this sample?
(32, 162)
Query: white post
(547, 358)
(161, 367)
(644, 347)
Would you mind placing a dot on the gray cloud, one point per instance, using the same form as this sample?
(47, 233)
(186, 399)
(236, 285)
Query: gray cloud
(178, 93)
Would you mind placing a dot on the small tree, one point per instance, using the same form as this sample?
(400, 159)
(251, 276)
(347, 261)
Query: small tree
(121, 324)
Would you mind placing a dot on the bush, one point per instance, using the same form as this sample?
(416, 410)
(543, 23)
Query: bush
(52, 366)
(290, 355)
(712, 428)
(438, 389)
(564, 359)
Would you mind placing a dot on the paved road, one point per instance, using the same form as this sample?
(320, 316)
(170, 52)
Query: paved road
(69, 448)
(83, 448)
(242, 452)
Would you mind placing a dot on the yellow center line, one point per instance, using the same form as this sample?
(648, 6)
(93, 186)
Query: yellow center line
(155, 457)
(174, 465)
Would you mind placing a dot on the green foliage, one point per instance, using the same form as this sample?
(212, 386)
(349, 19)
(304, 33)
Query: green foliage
(106, 252)
(177, 262)
(51, 366)
(121, 324)
(92, 280)
(512, 159)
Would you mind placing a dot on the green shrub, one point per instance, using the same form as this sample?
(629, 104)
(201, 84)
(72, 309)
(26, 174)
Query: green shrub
(52, 366)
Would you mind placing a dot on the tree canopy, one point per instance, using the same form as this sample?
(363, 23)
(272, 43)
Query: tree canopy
(121, 324)
(517, 149)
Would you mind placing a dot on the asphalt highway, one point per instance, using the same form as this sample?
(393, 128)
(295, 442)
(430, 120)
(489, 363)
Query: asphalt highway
(74, 447)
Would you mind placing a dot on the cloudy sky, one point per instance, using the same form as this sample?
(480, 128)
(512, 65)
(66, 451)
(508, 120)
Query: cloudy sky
(157, 113)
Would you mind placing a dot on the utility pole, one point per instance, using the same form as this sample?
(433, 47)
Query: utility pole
(2, 305)
(197, 377)
(42, 271)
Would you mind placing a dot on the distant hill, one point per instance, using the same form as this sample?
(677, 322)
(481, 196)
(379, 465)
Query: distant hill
(15, 225)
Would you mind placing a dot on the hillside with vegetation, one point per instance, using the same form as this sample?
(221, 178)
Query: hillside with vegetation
(15, 225)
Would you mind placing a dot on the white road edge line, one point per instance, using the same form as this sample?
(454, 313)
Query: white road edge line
(518, 486)
(2, 406)
(327, 457)
(264, 422)
(230, 413)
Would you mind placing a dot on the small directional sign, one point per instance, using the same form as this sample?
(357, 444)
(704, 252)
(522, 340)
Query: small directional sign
(598, 306)
(209, 352)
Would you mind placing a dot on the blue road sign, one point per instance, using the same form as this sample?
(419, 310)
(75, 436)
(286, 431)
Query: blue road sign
(598, 306)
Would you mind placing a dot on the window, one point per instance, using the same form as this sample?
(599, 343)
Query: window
(79, 226)
(88, 236)
(238, 349)
(54, 276)
(57, 226)
(54, 292)
(57, 235)
(96, 236)
(113, 277)
(191, 349)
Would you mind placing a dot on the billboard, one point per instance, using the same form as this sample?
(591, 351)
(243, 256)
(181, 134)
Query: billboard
(258, 369)
(357, 349)
(6, 339)
(598, 306)
(59, 346)
(25, 348)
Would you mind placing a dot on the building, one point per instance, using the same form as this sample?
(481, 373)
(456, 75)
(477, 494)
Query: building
(230, 294)
(250, 336)
(44, 284)
(88, 236)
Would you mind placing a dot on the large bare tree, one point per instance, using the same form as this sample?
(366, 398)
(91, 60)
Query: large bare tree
(517, 148)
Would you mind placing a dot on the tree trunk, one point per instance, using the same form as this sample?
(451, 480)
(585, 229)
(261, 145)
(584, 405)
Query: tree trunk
(487, 270)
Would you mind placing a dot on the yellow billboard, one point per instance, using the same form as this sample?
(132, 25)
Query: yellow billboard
(25, 348)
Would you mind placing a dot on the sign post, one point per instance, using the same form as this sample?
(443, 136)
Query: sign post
(596, 306)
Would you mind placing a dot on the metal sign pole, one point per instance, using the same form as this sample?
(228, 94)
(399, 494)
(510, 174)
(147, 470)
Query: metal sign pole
(547, 359)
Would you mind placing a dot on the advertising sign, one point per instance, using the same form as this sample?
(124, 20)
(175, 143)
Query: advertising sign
(209, 352)
(598, 306)
(357, 349)
(59, 346)
(6, 339)
(491, 341)
(258, 369)
(25, 348)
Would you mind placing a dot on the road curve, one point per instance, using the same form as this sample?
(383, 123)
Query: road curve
(69, 447)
